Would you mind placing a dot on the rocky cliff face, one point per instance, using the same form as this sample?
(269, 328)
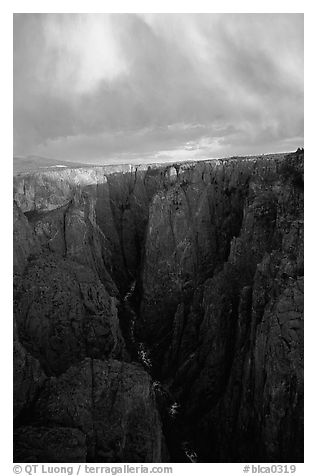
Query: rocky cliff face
(173, 292)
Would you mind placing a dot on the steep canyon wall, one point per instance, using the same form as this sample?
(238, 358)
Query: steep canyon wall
(172, 292)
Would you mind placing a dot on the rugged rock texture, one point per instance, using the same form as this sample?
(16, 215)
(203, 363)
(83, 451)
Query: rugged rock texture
(232, 349)
(202, 266)
(28, 378)
(64, 314)
(24, 240)
(94, 216)
(110, 402)
(52, 445)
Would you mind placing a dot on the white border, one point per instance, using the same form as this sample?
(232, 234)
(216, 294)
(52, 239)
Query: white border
(7, 8)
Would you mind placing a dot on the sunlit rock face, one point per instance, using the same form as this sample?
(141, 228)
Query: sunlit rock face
(171, 292)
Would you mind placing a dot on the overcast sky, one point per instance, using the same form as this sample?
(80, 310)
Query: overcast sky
(95, 88)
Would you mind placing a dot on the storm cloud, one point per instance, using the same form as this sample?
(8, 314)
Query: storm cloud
(99, 87)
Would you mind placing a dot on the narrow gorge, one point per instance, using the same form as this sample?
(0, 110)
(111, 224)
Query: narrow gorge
(158, 312)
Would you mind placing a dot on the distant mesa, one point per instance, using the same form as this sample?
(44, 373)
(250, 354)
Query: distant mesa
(32, 163)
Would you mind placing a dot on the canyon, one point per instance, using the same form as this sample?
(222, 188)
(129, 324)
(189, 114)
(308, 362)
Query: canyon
(158, 312)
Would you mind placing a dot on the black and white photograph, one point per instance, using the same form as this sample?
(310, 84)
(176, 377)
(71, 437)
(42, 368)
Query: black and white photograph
(158, 239)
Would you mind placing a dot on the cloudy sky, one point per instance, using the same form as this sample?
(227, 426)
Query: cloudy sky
(97, 88)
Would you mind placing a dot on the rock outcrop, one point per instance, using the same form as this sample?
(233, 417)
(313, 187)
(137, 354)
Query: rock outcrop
(107, 407)
(28, 378)
(25, 242)
(65, 314)
(195, 271)
(112, 403)
(52, 445)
